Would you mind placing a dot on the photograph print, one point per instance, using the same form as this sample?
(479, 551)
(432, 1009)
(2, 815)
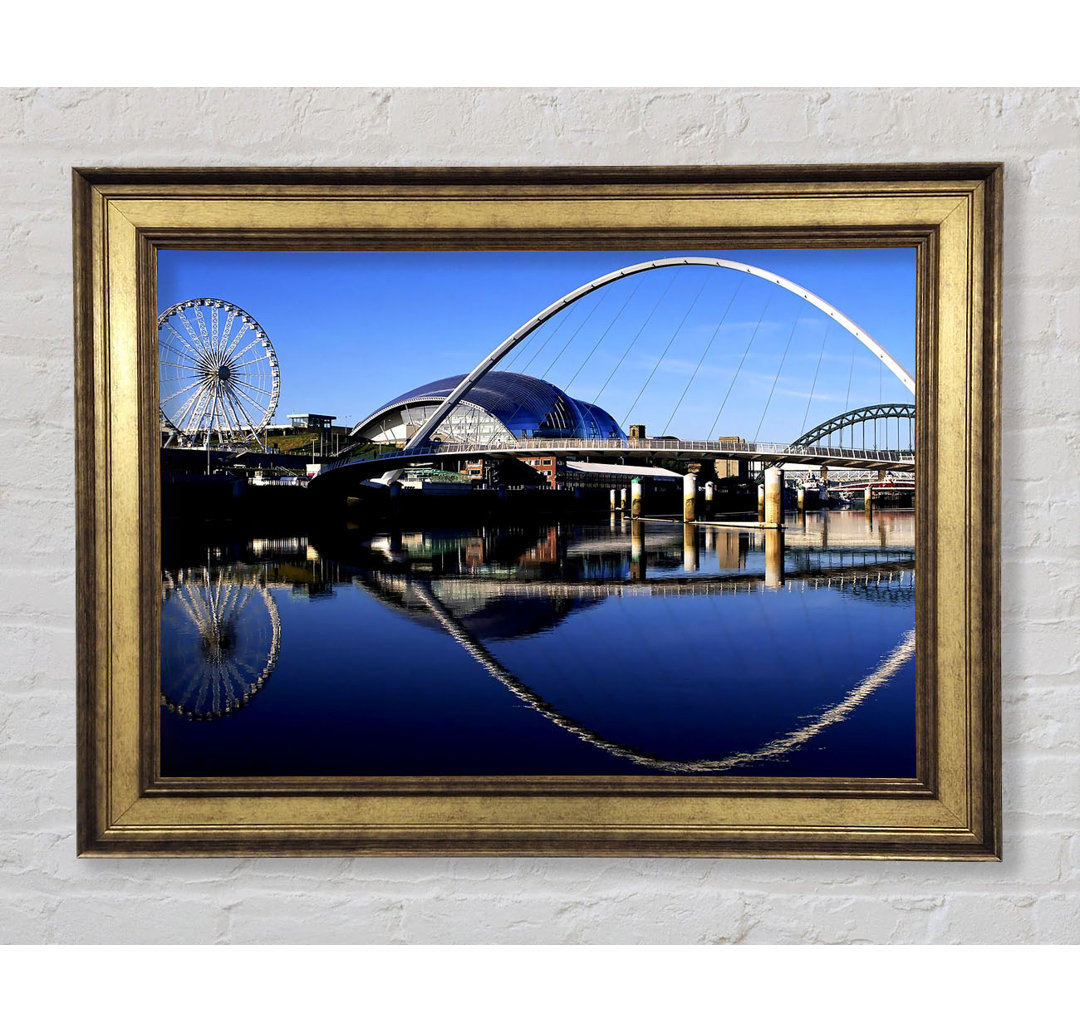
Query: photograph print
(453, 514)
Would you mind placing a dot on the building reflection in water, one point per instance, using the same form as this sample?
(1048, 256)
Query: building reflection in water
(536, 586)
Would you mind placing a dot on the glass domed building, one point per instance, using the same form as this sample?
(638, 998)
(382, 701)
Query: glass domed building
(502, 407)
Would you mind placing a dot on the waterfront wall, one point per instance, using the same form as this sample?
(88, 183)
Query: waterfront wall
(1033, 896)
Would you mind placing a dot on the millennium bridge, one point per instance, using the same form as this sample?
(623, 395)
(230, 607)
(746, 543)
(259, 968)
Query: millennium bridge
(623, 451)
(423, 448)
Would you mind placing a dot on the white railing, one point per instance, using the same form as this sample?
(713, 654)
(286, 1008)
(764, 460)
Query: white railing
(746, 449)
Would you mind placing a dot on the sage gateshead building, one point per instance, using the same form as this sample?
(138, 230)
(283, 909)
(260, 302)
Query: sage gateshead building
(501, 408)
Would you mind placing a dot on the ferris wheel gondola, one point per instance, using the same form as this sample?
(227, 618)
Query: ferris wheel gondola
(218, 377)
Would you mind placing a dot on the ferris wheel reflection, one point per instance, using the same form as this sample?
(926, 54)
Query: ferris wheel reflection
(220, 640)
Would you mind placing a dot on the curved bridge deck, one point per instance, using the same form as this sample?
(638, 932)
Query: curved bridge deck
(615, 450)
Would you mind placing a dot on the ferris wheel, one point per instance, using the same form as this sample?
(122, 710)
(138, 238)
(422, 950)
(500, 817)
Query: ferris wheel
(217, 373)
(220, 639)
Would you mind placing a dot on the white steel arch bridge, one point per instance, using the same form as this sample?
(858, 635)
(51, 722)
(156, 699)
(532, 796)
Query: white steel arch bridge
(419, 448)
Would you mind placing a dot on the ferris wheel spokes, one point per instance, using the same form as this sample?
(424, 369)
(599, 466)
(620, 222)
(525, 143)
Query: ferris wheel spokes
(215, 381)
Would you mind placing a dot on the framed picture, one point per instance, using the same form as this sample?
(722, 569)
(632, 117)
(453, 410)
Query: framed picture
(556, 511)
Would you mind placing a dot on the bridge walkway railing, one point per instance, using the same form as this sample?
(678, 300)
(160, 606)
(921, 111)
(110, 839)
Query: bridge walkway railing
(748, 450)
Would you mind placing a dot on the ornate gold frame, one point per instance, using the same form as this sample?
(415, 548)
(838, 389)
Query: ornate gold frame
(950, 213)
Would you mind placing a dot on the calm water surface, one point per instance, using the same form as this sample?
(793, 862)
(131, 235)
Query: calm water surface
(611, 648)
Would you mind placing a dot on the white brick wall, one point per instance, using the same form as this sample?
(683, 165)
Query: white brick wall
(46, 895)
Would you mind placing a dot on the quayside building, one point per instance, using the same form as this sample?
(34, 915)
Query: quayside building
(502, 408)
(506, 407)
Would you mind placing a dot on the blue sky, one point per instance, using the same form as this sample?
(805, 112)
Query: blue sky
(694, 351)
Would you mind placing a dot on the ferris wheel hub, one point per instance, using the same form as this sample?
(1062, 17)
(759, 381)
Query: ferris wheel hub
(218, 374)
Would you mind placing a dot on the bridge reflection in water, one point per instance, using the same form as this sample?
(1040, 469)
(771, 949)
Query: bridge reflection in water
(630, 647)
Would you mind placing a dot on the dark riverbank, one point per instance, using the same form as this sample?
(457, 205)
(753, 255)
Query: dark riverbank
(195, 504)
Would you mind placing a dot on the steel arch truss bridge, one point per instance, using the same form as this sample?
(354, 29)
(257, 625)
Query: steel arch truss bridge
(901, 413)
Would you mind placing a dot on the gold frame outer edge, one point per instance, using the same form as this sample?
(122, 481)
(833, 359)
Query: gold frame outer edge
(952, 214)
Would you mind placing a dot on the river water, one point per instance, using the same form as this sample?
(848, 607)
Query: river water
(619, 647)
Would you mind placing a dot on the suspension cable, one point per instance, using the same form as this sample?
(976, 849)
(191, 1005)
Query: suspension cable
(641, 329)
(555, 328)
(738, 369)
(547, 340)
(708, 347)
(779, 370)
(851, 373)
(637, 284)
(813, 384)
(521, 404)
(570, 339)
(667, 347)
